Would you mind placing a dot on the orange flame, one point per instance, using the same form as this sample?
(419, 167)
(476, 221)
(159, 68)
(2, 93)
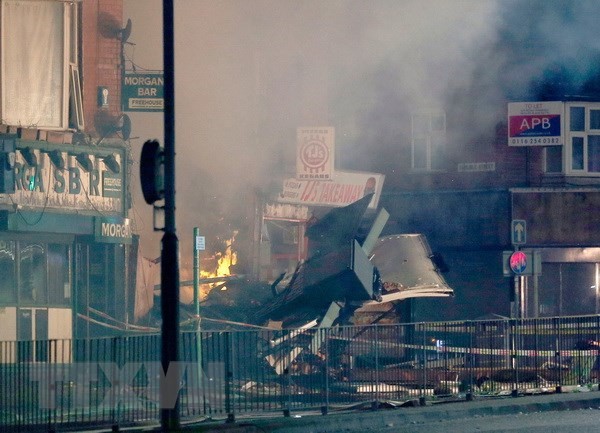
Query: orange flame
(224, 262)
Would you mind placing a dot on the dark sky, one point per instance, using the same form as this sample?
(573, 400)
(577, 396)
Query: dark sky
(249, 72)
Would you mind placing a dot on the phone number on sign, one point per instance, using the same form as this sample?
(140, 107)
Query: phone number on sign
(545, 140)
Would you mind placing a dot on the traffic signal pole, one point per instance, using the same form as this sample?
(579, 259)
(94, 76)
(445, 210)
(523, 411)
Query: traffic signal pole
(169, 412)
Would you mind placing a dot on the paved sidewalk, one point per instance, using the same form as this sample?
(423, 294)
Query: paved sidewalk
(366, 419)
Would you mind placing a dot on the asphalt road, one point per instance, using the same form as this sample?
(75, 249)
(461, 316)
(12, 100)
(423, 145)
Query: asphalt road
(573, 412)
(579, 421)
(566, 412)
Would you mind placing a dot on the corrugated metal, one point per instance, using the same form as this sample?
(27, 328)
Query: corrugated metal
(405, 259)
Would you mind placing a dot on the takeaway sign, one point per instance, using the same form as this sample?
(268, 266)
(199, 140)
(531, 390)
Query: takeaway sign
(535, 123)
(346, 187)
(143, 92)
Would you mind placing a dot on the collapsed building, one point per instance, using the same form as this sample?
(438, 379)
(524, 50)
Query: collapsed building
(352, 275)
(350, 272)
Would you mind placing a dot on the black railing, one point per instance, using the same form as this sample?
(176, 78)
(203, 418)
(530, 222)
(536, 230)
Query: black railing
(116, 381)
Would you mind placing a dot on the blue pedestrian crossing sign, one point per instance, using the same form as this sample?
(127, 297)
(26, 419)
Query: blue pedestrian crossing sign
(518, 232)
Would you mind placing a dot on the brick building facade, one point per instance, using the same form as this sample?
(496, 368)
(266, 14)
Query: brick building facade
(468, 206)
(66, 243)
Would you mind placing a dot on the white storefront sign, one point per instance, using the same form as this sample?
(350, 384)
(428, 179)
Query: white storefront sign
(346, 187)
(315, 153)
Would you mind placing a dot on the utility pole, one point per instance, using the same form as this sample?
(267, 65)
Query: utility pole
(169, 412)
(157, 176)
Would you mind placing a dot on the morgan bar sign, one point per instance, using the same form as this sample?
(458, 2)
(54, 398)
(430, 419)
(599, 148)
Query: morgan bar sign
(143, 92)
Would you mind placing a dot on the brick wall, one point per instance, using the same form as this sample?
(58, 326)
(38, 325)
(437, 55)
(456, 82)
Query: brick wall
(513, 166)
(101, 57)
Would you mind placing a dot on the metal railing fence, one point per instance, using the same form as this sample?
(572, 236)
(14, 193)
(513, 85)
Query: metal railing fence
(224, 374)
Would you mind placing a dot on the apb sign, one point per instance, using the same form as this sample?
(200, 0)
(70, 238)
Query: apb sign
(535, 123)
(143, 92)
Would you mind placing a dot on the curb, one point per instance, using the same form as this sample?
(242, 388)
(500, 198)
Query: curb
(373, 420)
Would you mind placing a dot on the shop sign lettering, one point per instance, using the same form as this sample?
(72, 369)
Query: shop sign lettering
(113, 230)
(68, 189)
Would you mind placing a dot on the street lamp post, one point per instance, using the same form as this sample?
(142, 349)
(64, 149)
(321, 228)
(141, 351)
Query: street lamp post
(169, 412)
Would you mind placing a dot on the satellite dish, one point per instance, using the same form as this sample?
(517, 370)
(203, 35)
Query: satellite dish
(108, 125)
(125, 126)
(110, 27)
(126, 31)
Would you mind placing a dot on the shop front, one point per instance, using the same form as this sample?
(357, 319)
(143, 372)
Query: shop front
(65, 242)
(560, 230)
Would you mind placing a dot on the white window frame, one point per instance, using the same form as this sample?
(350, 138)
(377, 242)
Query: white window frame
(547, 161)
(569, 135)
(427, 138)
(69, 113)
(76, 118)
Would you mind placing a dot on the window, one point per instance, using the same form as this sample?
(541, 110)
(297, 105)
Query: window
(428, 140)
(290, 236)
(568, 289)
(553, 159)
(59, 274)
(98, 276)
(100, 282)
(582, 141)
(35, 274)
(8, 294)
(36, 65)
(577, 119)
(33, 287)
(577, 153)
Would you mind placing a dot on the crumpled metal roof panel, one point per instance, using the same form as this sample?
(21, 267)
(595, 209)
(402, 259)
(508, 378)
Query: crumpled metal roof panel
(405, 263)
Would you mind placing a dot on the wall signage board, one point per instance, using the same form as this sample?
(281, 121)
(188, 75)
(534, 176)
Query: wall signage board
(112, 185)
(315, 153)
(114, 230)
(472, 167)
(143, 92)
(84, 183)
(535, 123)
(346, 187)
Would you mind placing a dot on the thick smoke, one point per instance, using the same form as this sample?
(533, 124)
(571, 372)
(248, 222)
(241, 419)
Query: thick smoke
(248, 73)
(558, 53)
